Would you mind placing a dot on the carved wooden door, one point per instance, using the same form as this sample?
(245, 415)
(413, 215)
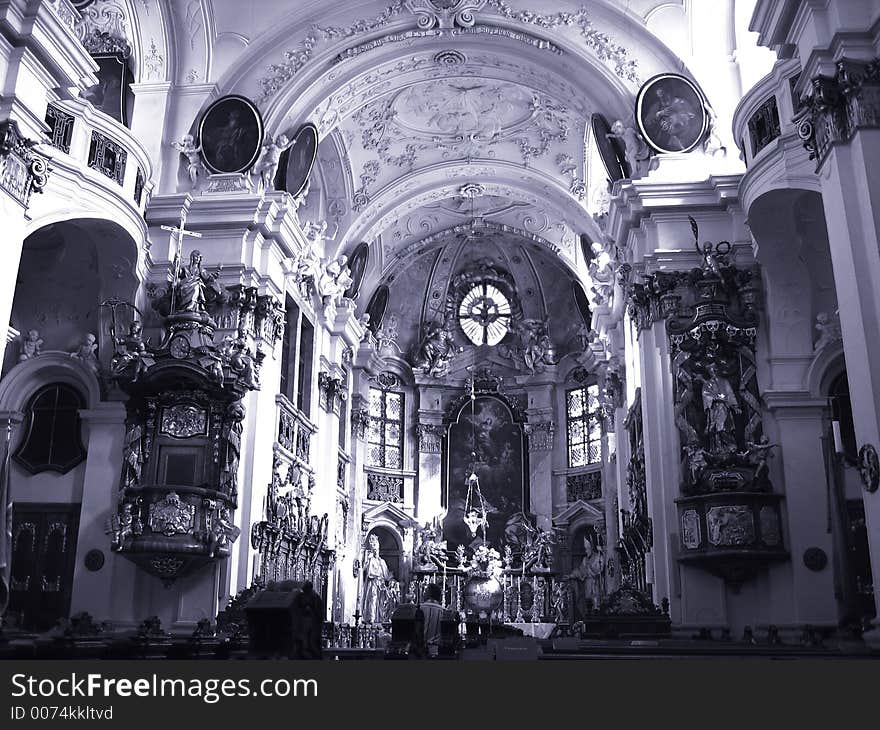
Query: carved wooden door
(43, 552)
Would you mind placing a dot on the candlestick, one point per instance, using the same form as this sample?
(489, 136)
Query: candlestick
(838, 441)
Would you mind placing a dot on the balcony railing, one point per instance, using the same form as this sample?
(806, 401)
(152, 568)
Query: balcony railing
(294, 430)
(584, 486)
(104, 151)
(765, 113)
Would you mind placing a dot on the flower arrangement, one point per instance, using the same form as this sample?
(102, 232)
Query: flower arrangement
(485, 563)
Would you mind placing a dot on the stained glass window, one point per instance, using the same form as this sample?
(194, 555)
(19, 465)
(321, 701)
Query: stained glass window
(584, 426)
(385, 431)
(484, 314)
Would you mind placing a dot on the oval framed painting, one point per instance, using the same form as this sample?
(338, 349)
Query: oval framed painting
(298, 160)
(231, 135)
(358, 265)
(376, 308)
(671, 113)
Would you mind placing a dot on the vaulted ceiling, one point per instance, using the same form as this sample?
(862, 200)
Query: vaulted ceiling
(431, 113)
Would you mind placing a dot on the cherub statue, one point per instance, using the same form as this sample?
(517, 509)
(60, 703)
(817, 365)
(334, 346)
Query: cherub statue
(188, 148)
(31, 345)
(131, 350)
(757, 453)
(85, 351)
(123, 525)
(267, 164)
(828, 326)
(223, 532)
(638, 154)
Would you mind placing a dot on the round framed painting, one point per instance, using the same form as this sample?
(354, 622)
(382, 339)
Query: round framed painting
(298, 160)
(671, 113)
(231, 135)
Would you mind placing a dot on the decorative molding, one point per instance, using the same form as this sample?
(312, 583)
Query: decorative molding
(601, 44)
(838, 106)
(331, 392)
(154, 62)
(540, 435)
(104, 27)
(22, 169)
(360, 421)
(445, 14)
(430, 437)
(281, 73)
(583, 487)
(457, 18)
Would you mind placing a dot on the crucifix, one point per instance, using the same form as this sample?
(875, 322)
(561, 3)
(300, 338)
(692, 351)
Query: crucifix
(178, 234)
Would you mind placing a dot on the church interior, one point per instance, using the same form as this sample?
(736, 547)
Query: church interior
(440, 321)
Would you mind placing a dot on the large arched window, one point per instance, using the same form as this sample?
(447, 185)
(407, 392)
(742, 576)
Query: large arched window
(484, 314)
(52, 440)
(584, 425)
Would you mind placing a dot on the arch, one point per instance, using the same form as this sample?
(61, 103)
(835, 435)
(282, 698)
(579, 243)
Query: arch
(827, 365)
(26, 378)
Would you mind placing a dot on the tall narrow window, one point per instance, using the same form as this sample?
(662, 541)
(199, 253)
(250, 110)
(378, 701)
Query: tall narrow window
(304, 379)
(584, 426)
(288, 348)
(385, 433)
(52, 439)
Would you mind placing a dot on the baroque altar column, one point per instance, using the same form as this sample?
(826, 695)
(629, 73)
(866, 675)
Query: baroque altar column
(366, 364)
(430, 432)
(341, 332)
(540, 432)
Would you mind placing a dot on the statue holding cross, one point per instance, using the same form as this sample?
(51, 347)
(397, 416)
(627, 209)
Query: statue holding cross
(192, 285)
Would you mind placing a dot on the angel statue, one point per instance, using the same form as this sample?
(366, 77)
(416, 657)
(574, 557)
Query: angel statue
(187, 147)
(309, 266)
(436, 349)
(638, 154)
(266, 165)
(335, 279)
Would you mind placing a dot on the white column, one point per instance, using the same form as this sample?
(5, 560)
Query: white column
(850, 178)
(108, 592)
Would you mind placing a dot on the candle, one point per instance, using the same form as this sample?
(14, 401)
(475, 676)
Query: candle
(838, 441)
(444, 585)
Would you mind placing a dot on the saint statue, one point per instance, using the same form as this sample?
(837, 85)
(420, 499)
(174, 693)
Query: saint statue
(589, 575)
(376, 575)
(195, 286)
(719, 404)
